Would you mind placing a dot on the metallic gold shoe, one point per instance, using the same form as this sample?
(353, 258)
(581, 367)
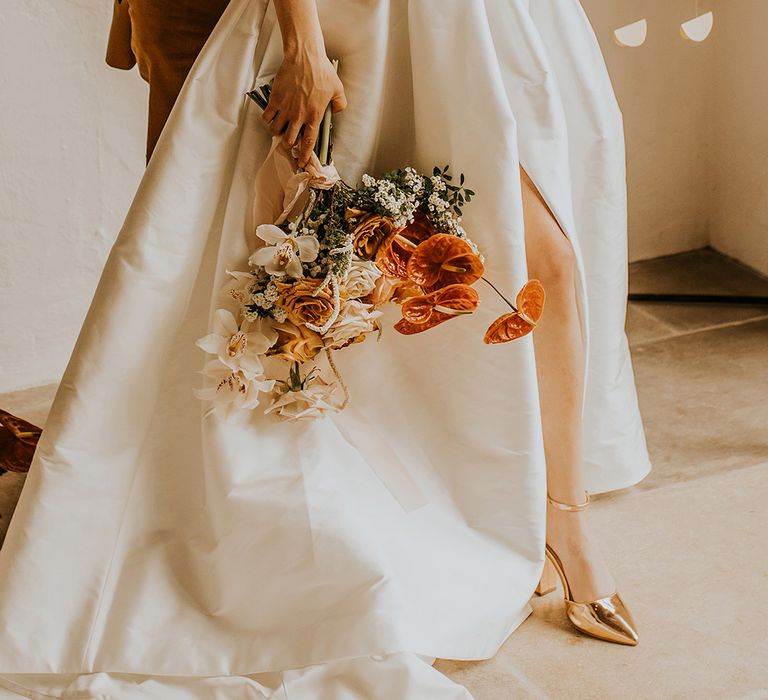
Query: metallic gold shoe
(605, 618)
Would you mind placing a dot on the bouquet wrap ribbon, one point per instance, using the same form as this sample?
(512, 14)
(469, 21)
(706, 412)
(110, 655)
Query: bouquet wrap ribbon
(279, 171)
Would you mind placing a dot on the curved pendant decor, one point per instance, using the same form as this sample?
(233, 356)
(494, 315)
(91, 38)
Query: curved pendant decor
(699, 28)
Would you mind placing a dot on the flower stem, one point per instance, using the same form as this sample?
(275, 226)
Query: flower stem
(410, 245)
(325, 129)
(492, 286)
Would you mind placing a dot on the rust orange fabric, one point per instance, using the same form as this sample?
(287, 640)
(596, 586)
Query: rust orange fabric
(18, 441)
(164, 38)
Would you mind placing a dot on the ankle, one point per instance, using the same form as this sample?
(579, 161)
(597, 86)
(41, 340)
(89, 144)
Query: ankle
(566, 526)
(569, 500)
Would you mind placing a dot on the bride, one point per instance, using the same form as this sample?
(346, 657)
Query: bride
(163, 550)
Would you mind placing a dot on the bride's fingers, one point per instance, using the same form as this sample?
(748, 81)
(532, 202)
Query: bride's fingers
(279, 124)
(269, 113)
(308, 139)
(292, 133)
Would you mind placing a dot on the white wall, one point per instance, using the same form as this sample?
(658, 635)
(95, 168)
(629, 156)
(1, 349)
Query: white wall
(71, 153)
(663, 88)
(697, 144)
(739, 225)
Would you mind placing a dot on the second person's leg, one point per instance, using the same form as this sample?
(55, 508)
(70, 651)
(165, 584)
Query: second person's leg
(166, 39)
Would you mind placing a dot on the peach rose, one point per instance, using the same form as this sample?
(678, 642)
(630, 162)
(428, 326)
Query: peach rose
(302, 307)
(392, 289)
(295, 343)
(369, 233)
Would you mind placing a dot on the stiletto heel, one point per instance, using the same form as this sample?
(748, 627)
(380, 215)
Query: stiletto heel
(548, 580)
(605, 618)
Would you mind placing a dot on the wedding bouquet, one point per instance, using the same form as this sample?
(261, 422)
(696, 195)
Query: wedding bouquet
(321, 272)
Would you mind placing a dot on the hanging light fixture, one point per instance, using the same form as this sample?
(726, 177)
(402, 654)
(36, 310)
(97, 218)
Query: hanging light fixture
(632, 35)
(698, 28)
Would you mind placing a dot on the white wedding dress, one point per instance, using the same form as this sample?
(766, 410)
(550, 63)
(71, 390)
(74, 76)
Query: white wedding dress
(156, 553)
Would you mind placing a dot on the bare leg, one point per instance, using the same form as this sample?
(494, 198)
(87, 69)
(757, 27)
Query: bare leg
(559, 356)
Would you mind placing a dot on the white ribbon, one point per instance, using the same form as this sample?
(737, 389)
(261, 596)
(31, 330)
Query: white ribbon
(321, 177)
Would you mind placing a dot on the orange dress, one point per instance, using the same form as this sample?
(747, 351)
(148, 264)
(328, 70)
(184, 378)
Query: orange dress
(164, 38)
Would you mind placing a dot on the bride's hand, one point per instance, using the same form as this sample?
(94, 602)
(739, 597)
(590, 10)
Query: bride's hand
(304, 86)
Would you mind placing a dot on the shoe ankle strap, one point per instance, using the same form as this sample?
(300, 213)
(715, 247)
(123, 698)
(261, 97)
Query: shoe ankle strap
(570, 506)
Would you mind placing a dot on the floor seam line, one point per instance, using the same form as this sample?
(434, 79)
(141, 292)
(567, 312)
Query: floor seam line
(705, 329)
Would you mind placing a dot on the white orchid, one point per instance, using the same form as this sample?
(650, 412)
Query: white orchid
(302, 400)
(361, 278)
(227, 388)
(239, 349)
(238, 288)
(354, 319)
(284, 252)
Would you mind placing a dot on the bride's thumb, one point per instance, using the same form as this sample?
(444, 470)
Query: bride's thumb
(339, 102)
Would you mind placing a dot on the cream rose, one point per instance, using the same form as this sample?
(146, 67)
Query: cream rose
(355, 320)
(361, 278)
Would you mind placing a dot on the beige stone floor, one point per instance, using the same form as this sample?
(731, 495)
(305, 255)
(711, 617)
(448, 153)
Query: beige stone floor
(688, 545)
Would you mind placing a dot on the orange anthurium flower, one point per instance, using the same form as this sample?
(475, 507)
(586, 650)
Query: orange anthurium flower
(530, 306)
(424, 312)
(394, 253)
(444, 259)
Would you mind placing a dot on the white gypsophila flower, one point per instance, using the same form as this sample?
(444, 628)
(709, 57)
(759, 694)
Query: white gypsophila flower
(227, 389)
(399, 204)
(438, 183)
(406, 214)
(271, 293)
(285, 251)
(368, 180)
(437, 204)
(361, 278)
(355, 318)
(414, 180)
(239, 349)
(313, 401)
